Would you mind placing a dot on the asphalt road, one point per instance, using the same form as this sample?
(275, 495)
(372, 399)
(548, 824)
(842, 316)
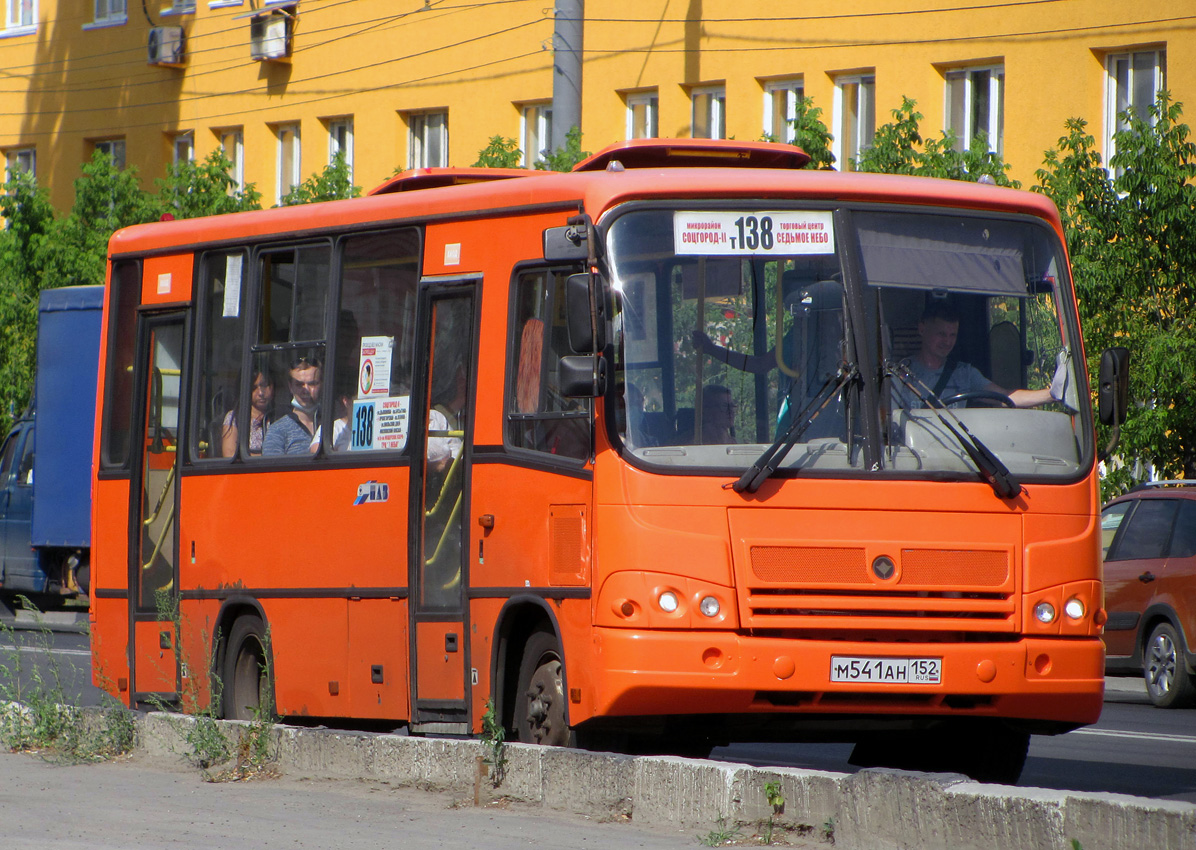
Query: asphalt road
(136, 804)
(1134, 748)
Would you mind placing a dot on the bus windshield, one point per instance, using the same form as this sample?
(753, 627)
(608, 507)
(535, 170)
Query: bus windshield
(886, 341)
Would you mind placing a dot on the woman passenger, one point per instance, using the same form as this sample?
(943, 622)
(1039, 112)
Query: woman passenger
(261, 405)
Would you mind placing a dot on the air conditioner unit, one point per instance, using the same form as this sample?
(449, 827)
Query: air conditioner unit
(270, 36)
(165, 46)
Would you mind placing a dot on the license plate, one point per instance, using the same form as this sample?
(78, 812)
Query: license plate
(895, 671)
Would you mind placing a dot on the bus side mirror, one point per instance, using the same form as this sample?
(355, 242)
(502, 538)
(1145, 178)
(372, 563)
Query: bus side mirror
(582, 376)
(1113, 391)
(566, 244)
(585, 315)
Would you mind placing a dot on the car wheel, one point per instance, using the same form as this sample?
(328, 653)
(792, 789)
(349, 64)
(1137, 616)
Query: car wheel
(1168, 682)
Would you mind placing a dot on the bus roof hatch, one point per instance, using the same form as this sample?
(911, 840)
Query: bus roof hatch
(695, 153)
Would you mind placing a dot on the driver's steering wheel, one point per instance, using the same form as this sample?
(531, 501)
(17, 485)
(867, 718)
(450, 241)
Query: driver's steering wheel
(981, 395)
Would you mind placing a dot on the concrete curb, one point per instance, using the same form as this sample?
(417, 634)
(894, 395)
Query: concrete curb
(872, 810)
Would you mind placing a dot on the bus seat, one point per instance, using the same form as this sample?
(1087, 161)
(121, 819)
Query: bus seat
(1005, 355)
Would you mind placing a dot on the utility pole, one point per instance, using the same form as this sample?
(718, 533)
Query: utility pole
(566, 69)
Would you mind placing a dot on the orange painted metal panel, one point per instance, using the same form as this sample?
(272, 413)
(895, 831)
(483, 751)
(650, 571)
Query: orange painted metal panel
(440, 674)
(156, 665)
(166, 280)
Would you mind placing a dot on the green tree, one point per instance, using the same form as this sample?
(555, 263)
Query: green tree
(1133, 247)
(193, 189)
(332, 184)
(899, 148)
(106, 199)
(811, 135)
(563, 159)
(500, 153)
(26, 207)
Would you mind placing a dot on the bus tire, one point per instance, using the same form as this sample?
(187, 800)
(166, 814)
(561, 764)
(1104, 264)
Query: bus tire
(541, 716)
(1168, 683)
(246, 692)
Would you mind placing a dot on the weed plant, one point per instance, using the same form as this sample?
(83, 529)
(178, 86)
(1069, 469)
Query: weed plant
(722, 835)
(494, 738)
(37, 717)
(210, 742)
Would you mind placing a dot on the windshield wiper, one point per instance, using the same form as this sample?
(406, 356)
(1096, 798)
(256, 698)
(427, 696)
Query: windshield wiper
(990, 467)
(767, 463)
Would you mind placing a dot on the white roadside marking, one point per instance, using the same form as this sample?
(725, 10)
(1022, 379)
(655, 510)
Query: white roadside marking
(1138, 736)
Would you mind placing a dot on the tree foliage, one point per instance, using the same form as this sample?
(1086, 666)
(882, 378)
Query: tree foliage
(1133, 251)
(563, 159)
(899, 148)
(811, 134)
(334, 183)
(30, 217)
(40, 251)
(501, 152)
(193, 189)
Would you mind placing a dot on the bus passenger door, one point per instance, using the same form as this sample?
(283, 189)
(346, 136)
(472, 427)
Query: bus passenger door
(439, 510)
(153, 512)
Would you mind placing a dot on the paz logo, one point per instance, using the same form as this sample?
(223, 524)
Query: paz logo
(372, 491)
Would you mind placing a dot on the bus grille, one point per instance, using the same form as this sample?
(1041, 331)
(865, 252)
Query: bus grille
(829, 587)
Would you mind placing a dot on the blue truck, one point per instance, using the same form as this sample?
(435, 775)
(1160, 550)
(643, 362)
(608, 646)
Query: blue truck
(45, 460)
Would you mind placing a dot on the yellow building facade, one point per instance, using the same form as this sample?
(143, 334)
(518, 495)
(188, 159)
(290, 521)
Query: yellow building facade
(283, 86)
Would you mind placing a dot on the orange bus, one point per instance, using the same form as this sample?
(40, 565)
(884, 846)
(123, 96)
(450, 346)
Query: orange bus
(648, 455)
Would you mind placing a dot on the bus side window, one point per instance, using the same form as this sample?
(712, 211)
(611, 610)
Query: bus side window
(375, 335)
(539, 417)
(220, 352)
(290, 349)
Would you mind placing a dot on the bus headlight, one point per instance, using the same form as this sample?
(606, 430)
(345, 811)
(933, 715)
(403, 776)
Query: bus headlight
(1044, 612)
(709, 606)
(1074, 608)
(667, 602)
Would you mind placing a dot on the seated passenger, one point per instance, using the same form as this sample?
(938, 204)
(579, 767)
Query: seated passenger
(261, 406)
(292, 433)
(718, 416)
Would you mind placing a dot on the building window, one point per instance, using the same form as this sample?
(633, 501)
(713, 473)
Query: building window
(20, 160)
(182, 147)
(709, 113)
(535, 134)
(288, 175)
(781, 98)
(428, 142)
(115, 148)
(1135, 80)
(180, 7)
(855, 108)
(22, 16)
(975, 105)
(340, 141)
(111, 11)
(642, 115)
(232, 142)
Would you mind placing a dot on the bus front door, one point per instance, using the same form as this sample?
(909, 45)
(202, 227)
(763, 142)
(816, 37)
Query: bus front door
(439, 510)
(153, 512)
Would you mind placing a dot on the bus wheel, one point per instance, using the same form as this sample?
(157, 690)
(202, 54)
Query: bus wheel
(1168, 683)
(540, 710)
(246, 680)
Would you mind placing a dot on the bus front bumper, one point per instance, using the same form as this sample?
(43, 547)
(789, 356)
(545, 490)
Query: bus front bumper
(1057, 681)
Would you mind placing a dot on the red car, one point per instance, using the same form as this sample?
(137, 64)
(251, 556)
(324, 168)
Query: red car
(1149, 541)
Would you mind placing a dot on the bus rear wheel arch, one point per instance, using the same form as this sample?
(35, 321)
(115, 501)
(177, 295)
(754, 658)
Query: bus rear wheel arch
(541, 713)
(246, 679)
